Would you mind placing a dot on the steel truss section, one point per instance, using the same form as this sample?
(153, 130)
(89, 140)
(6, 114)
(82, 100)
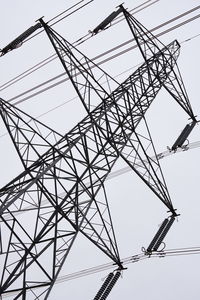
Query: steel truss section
(148, 44)
(67, 58)
(64, 185)
(75, 166)
(83, 73)
(30, 137)
(140, 154)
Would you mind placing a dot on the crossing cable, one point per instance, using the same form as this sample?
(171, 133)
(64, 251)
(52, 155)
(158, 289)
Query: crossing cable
(125, 71)
(128, 260)
(124, 170)
(161, 155)
(61, 19)
(173, 253)
(53, 56)
(99, 63)
(85, 37)
(166, 153)
(60, 14)
(20, 39)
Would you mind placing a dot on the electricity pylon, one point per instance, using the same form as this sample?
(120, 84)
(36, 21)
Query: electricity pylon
(62, 186)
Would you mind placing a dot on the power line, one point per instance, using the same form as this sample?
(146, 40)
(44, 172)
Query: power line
(60, 14)
(72, 99)
(133, 258)
(161, 155)
(54, 56)
(61, 19)
(130, 260)
(127, 169)
(95, 58)
(125, 71)
(127, 260)
(68, 101)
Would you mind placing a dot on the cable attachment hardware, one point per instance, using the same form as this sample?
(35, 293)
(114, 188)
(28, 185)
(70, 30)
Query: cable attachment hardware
(107, 21)
(183, 136)
(160, 235)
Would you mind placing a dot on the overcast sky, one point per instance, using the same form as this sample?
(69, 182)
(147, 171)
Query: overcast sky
(136, 211)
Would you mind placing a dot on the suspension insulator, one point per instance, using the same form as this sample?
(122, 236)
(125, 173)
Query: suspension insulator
(163, 233)
(183, 136)
(107, 21)
(110, 286)
(104, 286)
(157, 235)
(18, 41)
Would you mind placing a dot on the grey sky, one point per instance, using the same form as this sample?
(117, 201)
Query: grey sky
(136, 211)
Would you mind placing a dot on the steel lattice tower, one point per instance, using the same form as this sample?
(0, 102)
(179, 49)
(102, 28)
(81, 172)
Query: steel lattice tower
(64, 174)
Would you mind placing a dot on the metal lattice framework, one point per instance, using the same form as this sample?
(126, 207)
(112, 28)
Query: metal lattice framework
(62, 186)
